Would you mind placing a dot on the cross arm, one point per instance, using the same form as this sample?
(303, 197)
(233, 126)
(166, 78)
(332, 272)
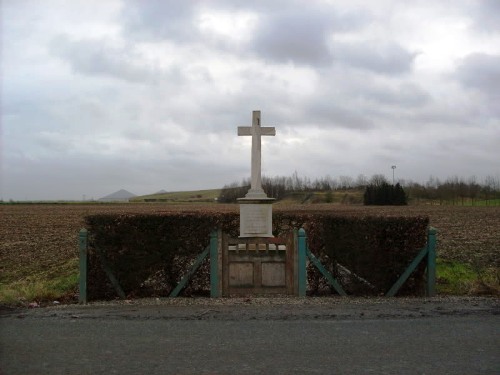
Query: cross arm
(268, 131)
(244, 130)
(247, 130)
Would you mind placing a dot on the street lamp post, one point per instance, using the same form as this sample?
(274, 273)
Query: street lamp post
(393, 168)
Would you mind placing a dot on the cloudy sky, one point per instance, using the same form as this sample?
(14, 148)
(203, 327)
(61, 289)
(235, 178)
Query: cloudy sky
(97, 96)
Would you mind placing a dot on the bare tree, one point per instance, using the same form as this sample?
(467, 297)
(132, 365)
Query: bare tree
(346, 182)
(378, 180)
(361, 181)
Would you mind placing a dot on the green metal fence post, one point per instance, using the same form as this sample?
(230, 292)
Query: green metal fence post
(190, 273)
(402, 279)
(302, 271)
(83, 245)
(331, 280)
(214, 266)
(431, 262)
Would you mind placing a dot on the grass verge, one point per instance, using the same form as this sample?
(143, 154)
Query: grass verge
(457, 278)
(58, 283)
(61, 283)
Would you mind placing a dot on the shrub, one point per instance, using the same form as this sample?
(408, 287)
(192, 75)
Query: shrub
(385, 194)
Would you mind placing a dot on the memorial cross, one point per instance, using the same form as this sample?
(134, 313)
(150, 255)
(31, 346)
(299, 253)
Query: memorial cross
(256, 131)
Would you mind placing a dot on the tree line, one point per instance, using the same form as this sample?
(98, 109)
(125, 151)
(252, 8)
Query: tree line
(453, 190)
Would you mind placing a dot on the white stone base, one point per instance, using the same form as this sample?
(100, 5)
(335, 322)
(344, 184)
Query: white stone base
(256, 217)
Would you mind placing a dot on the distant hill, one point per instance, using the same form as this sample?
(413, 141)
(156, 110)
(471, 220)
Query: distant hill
(118, 196)
(197, 196)
(162, 191)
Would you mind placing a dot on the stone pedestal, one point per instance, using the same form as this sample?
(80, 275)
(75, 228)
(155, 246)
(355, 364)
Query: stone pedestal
(256, 217)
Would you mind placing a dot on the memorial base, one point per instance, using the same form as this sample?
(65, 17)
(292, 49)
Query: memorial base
(256, 217)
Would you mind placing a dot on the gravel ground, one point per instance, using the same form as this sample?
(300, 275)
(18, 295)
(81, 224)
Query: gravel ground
(264, 308)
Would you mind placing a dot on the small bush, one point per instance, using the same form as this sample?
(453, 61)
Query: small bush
(385, 194)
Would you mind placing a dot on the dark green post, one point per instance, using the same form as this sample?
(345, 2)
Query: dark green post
(214, 266)
(82, 245)
(182, 283)
(302, 271)
(431, 262)
(331, 280)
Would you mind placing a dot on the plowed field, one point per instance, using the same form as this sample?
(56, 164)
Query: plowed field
(38, 238)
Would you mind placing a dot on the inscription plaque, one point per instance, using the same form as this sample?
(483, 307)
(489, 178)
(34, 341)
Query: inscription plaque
(256, 220)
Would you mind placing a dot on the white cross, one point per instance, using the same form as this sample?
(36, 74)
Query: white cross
(256, 131)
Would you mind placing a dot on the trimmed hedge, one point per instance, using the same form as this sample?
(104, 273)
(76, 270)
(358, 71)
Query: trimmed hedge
(376, 249)
(149, 254)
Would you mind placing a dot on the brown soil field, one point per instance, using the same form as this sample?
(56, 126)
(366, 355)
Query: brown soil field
(40, 237)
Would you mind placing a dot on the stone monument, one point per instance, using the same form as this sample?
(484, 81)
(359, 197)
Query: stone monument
(256, 215)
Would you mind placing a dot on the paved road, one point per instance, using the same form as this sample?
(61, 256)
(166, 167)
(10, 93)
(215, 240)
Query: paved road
(170, 340)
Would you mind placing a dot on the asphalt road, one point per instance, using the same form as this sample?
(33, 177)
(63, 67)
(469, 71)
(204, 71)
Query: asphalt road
(191, 340)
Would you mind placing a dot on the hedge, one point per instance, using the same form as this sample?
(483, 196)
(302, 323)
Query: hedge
(149, 253)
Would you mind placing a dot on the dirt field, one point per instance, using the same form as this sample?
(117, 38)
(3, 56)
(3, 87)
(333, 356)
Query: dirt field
(39, 237)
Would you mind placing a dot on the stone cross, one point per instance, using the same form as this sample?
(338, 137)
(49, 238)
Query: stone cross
(256, 131)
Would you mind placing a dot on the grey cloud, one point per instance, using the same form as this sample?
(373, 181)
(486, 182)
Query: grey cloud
(293, 37)
(406, 95)
(487, 15)
(358, 101)
(56, 142)
(329, 113)
(301, 35)
(401, 96)
(102, 58)
(437, 114)
(334, 16)
(382, 58)
(287, 31)
(482, 72)
(160, 19)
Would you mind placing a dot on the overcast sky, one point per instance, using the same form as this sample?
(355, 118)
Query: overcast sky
(147, 95)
